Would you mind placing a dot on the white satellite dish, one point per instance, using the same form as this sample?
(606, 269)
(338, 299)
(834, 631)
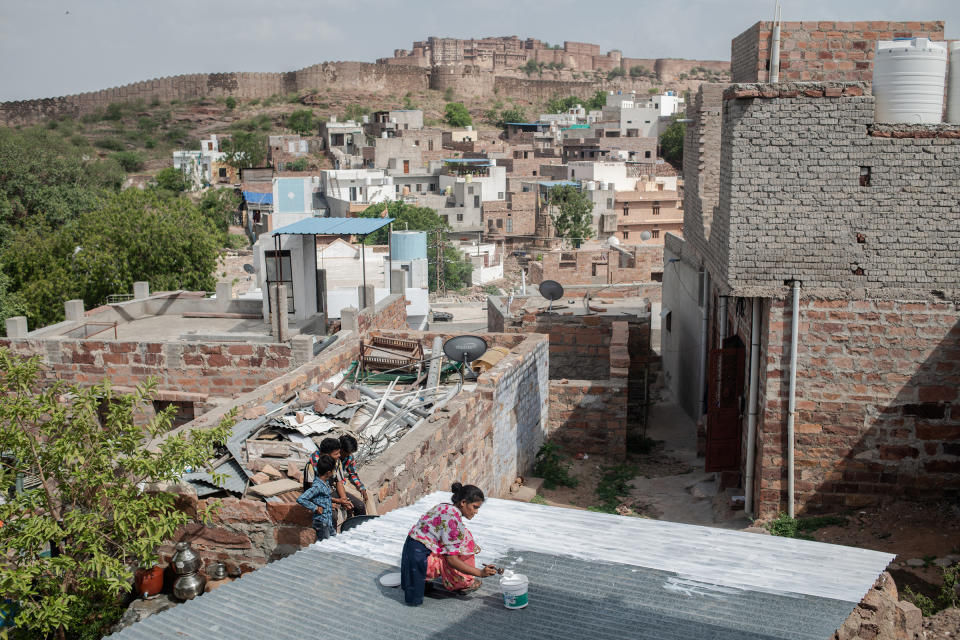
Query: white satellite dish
(645, 235)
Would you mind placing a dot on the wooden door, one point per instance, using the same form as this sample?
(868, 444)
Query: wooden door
(724, 402)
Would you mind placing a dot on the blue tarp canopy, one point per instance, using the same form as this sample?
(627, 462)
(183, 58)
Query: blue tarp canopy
(258, 198)
(333, 227)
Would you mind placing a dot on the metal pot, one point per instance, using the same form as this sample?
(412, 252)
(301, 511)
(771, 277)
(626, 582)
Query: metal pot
(189, 586)
(185, 561)
(217, 571)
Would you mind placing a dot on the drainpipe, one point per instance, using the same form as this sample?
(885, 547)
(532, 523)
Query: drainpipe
(792, 402)
(753, 405)
(775, 47)
(722, 317)
(704, 315)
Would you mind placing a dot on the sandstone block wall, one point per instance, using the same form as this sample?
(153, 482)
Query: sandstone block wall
(579, 267)
(820, 51)
(878, 401)
(793, 204)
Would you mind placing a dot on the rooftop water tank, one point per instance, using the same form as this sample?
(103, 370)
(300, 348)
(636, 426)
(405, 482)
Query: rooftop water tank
(408, 245)
(953, 87)
(908, 77)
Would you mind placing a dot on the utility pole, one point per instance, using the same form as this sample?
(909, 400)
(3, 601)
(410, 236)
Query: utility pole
(441, 271)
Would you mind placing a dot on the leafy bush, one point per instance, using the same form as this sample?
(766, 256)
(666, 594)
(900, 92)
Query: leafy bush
(613, 484)
(456, 115)
(171, 179)
(300, 164)
(448, 94)
(302, 121)
(787, 527)
(618, 72)
(550, 464)
(538, 499)
(355, 112)
(111, 144)
(129, 160)
(947, 597)
(230, 103)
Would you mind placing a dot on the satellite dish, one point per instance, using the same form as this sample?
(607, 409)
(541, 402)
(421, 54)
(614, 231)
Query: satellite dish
(249, 268)
(551, 290)
(465, 349)
(645, 235)
(614, 241)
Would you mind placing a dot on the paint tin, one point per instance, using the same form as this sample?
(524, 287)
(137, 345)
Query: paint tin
(513, 586)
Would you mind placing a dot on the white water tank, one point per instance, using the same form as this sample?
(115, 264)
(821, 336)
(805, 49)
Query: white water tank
(953, 86)
(908, 81)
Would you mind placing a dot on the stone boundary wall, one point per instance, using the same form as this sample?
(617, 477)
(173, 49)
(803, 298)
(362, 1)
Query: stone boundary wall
(590, 416)
(878, 403)
(389, 313)
(649, 260)
(817, 51)
(327, 75)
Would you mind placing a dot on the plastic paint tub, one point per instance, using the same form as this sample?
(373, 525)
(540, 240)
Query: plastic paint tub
(513, 586)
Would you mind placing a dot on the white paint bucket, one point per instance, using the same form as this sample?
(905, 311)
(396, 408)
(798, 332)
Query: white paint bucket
(513, 586)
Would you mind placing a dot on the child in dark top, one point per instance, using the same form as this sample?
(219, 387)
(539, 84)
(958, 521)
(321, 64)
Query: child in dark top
(317, 499)
(348, 447)
(333, 448)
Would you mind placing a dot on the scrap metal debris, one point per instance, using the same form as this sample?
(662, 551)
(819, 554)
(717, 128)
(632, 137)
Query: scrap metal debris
(379, 398)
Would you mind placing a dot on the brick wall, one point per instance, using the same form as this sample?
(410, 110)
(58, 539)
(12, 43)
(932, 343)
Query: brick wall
(215, 369)
(819, 51)
(878, 406)
(589, 266)
(792, 205)
(590, 416)
(389, 313)
(701, 171)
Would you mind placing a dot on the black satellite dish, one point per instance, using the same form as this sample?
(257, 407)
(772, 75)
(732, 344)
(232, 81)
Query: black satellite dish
(465, 349)
(249, 268)
(551, 290)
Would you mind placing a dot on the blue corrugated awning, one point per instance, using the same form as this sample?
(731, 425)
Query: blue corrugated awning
(333, 227)
(258, 198)
(469, 160)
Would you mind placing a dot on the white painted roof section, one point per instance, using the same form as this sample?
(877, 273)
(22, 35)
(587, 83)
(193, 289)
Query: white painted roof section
(703, 555)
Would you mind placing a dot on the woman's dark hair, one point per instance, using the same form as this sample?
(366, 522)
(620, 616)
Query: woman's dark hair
(348, 444)
(325, 464)
(468, 492)
(329, 445)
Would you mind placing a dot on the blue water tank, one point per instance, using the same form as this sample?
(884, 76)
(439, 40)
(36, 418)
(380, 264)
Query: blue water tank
(408, 245)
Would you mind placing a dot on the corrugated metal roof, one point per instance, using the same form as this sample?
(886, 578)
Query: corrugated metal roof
(333, 226)
(241, 432)
(234, 478)
(587, 579)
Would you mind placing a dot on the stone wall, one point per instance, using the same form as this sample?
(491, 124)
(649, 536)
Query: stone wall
(328, 75)
(590, 416)
(701, 171)
(807, 193)
(878, 403)
(598, 266)
(820, 51)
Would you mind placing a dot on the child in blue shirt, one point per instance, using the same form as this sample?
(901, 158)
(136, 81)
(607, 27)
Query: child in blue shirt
(317, 499)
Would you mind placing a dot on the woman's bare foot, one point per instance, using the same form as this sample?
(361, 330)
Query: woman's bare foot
(476, 584)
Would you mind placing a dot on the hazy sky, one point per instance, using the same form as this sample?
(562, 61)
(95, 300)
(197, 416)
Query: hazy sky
(58, 47)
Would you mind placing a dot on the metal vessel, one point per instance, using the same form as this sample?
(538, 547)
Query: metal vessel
(189, 584)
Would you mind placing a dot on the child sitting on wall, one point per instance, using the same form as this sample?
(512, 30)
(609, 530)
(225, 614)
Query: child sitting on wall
(318, 498)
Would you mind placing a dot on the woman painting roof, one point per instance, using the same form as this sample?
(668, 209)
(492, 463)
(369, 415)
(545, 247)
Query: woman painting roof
(440, 544)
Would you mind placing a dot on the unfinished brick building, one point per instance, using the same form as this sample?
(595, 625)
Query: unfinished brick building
(860, 222)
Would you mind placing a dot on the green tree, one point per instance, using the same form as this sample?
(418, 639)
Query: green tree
(355, 112)
(171, 179)
(531, 67)
(90, 504)
(218, 207)
(671, 142)
(616, 72)
(300, 164)
(302, 121)
(456, 115)
(46, 179)
(561, 105)
(572, 217)
(456, 267)
(230, 103)
(130, 161)
(598, 101)
(245, 149)
(134, 235)
(10, 303)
